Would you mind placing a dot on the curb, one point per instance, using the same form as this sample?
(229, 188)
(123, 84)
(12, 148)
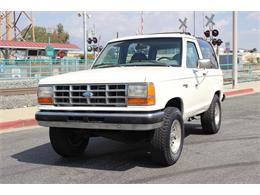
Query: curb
(239, 92)
(17, 124)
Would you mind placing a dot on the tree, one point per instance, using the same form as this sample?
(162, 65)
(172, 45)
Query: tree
(41, 34)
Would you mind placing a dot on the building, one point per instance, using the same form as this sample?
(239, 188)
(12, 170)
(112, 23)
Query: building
(25, 50)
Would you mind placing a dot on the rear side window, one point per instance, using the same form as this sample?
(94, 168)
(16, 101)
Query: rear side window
(208, 52)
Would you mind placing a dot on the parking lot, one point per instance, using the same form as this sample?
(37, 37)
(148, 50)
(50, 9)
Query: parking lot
(231, 156)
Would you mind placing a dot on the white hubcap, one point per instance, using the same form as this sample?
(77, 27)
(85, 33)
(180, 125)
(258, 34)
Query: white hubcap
(217, 114)
(175, 136)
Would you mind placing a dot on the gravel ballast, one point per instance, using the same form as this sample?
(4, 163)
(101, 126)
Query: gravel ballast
(18, 101)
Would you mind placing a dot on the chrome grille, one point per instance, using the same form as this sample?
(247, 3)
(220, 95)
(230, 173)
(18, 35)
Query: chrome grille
(102, 95)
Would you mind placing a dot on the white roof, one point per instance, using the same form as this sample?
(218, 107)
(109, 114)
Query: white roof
(159, 35)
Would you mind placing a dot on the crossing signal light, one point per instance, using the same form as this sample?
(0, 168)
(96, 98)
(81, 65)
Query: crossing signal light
(94, 39)
(214, 41)
(89, 40)
(89, 48)
(215, 33)
(219, 42)
(207, 33)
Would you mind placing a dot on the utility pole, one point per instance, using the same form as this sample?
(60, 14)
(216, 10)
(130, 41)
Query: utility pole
(8, 25)
(85, 35)
(194, 23)
(234, 49)
(1, 25)
(33, 33)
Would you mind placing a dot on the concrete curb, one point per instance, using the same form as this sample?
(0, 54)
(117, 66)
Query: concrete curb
(17, 124)
(239, 92)
(33, 122)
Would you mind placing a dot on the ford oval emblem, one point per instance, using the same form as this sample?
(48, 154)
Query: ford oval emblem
(87, 94)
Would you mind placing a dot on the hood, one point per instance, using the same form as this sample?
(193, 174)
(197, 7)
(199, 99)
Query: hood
(115, 75)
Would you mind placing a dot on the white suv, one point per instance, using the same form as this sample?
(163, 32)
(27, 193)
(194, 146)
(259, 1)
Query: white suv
(139, 88)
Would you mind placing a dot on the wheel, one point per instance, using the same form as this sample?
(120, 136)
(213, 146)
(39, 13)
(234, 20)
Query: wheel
(68, 142)
(167, 141)
(211, 119)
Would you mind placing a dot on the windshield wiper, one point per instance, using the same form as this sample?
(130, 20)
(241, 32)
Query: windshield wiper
(106, 66)
(133, 64)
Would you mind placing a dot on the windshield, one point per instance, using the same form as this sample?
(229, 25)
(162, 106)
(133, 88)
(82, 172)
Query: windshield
(141, 52)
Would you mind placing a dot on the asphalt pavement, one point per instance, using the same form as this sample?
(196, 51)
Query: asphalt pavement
(231, 156)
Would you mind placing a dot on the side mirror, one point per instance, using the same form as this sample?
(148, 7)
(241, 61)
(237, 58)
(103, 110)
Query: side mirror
(204, 63)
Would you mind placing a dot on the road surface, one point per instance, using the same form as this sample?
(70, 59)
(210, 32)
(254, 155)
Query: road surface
(231, 156)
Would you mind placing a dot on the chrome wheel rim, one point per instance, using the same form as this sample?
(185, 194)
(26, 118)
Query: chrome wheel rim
(217, 114)
(175, 136)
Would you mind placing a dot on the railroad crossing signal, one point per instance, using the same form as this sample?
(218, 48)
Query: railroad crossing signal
(183, 25)
(212, 34)
(210, 21)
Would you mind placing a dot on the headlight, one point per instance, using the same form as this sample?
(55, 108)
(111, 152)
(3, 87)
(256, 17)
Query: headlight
(137, 90)
(141, 94)
(45, 95)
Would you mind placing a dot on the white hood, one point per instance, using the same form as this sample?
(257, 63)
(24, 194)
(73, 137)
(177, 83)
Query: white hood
(115, 75)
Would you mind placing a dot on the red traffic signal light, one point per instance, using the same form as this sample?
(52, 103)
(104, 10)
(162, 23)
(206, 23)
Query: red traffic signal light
(215, 33)
(207, 33)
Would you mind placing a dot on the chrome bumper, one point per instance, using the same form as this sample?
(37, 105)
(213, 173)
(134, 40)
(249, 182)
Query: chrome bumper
(101, 120)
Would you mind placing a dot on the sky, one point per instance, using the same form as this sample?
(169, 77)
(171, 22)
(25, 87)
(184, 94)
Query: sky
(127, 23)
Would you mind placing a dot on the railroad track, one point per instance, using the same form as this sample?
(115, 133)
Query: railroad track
(18, 91)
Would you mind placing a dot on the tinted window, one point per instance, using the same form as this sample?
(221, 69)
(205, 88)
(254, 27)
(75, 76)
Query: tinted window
(208, 52)
(192, 55)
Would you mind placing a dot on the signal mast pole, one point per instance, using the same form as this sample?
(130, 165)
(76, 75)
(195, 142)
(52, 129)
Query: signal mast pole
(234, 49)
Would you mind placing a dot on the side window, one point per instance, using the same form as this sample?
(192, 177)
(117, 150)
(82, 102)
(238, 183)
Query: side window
(192, 55)
(208, 52)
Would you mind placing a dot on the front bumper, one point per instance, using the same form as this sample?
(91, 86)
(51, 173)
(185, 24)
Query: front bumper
(139, 121)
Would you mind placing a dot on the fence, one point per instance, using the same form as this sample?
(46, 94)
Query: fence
(246, 72)
(40, 68)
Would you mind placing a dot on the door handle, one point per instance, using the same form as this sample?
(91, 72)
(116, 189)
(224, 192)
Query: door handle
(185, 85)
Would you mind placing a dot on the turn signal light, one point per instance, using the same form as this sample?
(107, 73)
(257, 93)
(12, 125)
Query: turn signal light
(45, 100)
(141, 101)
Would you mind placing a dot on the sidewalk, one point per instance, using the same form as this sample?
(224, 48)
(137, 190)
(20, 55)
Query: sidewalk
(242, 88)
(21, 117)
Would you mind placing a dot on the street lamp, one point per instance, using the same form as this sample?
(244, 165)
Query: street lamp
(86, 17)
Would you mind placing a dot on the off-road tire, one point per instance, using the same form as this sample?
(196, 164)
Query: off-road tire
(208, 121)
(161, 151)
(61, 141)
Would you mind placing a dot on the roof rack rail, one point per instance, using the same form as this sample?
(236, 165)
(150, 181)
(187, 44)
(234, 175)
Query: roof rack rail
(186, 33)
